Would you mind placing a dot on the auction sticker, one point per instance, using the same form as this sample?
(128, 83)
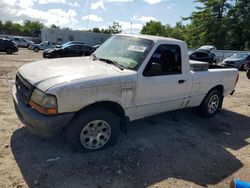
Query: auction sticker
(136, 48)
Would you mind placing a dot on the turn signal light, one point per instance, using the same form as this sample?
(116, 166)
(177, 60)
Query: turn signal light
(46, 111)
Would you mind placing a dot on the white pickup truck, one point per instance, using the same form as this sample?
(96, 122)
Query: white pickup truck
(129, 77)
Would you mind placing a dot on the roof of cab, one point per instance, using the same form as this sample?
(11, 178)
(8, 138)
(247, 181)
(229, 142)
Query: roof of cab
(153, 38)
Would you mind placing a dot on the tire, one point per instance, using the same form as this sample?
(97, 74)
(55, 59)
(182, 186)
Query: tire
(97, 125)
(57, 55)
(36, 49)
(211, 104)
(241, 68)
(9, 51)
(248, 74)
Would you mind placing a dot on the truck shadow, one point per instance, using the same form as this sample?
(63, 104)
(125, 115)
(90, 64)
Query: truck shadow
(171, 145)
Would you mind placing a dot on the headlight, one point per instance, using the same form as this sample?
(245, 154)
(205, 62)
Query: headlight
(43, 103)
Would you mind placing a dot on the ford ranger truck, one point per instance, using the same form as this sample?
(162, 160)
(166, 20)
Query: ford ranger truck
(128, 77)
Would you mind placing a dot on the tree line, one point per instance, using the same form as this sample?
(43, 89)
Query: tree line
(29, 28)
(223, 23)
(26, 29)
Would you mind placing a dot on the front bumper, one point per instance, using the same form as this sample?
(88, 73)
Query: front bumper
(230, 65)
(37, 123)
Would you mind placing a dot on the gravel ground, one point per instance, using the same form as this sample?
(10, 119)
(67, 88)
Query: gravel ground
(174, 149)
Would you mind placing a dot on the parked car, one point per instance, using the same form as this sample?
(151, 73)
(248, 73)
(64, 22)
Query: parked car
(71, 50)
(21, 42)
(127, 78)
(42, 46)
(237, 60)
(8, 46)
(204, 56)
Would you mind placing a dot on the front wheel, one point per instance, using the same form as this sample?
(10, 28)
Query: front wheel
(36, 49)
(9, 51)
(211, 104)
(93, 130)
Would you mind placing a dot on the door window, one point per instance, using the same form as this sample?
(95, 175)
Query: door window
(201, 54)
(166, 60)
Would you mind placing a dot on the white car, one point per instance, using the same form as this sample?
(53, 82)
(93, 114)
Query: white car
(127, 78)
(21, 42)
(42, 46)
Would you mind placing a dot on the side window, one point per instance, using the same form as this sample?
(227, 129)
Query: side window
(201, 54)
(166, 60)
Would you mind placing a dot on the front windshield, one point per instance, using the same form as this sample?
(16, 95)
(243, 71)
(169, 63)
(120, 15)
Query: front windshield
(127, 51)
(239, 55)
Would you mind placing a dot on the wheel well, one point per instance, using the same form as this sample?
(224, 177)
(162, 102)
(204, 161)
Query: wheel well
(114, 108)
(219, 87)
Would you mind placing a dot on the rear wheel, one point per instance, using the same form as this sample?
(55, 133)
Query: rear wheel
(9, 51)
(36, 49)
(211, 104)
(93, 130)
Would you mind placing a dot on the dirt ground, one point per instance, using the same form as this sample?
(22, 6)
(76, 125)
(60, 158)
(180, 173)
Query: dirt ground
(175, 149)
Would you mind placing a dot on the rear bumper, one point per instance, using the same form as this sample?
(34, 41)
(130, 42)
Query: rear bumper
(37, 123)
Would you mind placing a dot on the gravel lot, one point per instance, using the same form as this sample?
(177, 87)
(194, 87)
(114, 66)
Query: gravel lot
(175, 149)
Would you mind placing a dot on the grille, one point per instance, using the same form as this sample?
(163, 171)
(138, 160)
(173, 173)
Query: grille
(24, 89)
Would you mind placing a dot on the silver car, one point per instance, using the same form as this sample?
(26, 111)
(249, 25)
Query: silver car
(237, 60)
(42, 46)
(21, 42)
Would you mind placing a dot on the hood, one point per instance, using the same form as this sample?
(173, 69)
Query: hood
(48, 73)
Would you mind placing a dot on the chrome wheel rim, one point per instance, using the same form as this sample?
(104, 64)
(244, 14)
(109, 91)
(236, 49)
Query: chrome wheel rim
(95, 134)
(213, 104)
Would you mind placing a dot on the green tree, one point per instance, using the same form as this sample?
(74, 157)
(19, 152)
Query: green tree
(96, 30)
(154, 28)
(239, 21)
(210, 19)
(114, 28)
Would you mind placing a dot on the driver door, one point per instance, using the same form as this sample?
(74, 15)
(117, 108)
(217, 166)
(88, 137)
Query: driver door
(163, 85)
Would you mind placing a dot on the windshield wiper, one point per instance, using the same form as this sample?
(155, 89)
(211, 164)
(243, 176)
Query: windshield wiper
(109, 61)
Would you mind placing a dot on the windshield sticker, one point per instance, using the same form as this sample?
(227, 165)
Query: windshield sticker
(136, 48)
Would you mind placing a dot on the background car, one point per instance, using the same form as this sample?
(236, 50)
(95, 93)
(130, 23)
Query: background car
(204, 56)
(71, 50)
(21, 42)
(42, 46)
(8, 46)
(237, 60)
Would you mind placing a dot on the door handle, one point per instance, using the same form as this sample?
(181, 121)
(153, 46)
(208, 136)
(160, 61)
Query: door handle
(181, 81)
